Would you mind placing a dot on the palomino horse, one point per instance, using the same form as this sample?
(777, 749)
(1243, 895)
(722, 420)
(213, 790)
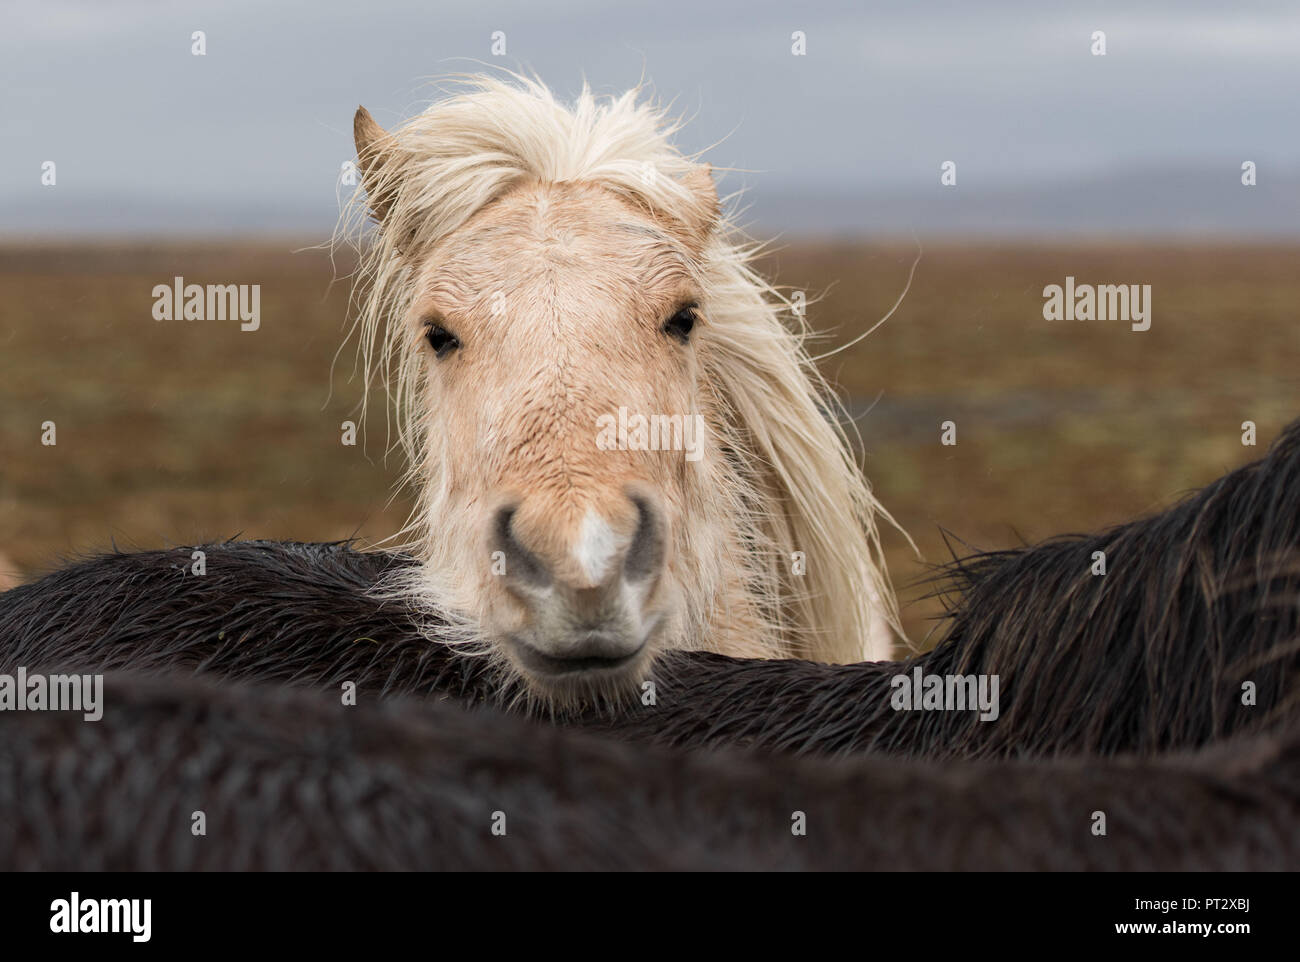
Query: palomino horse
(619, 442)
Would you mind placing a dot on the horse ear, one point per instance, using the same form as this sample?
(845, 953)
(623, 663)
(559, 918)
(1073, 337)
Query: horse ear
(707, 208)
(379, 158)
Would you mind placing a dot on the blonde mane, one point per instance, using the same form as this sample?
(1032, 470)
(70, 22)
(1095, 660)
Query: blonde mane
(796, 492)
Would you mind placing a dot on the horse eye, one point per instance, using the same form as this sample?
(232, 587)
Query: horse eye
(441, 340)
(679, 326)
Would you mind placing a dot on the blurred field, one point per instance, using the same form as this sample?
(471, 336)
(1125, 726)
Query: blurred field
(175, 432)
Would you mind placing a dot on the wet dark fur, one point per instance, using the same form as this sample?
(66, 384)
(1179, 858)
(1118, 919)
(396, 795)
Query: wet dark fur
(295, 780)
(1149, 658)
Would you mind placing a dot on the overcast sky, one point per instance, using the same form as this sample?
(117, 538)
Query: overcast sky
(849, 138)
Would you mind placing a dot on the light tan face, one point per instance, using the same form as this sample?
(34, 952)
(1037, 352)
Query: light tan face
(551, 310)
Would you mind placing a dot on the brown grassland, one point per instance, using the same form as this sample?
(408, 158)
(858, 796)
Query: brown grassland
(177, 432)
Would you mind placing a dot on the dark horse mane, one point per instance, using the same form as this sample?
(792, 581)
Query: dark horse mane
(292, 779)
(1196, 602)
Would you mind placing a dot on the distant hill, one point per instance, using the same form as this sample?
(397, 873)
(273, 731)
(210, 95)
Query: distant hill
(1145, 202)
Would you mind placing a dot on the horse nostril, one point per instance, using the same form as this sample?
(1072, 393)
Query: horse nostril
(645, 555)
(521, 564)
